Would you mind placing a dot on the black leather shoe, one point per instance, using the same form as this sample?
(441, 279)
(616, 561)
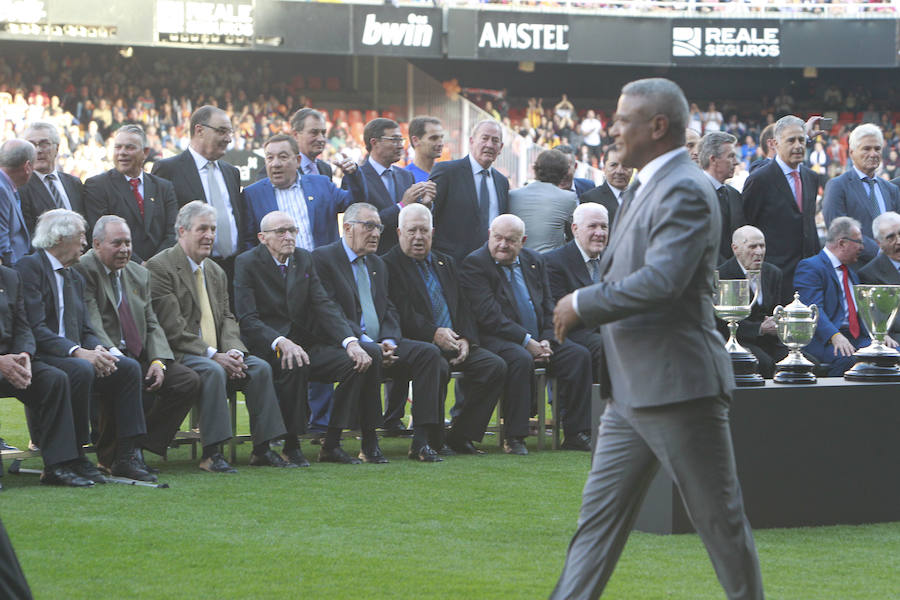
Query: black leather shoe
(580, 441)
(376, 457)
(446, 450)
(5, 446)
(63, 475)
(464, 447)
(295, 457)
(515, 446)
(337, 455)
(82, 467)
(425, 454)
(216, 464)
(130, 468)
(270, 459)
(140, 456)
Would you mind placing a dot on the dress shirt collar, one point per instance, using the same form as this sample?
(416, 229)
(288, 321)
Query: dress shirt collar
(43, 176)
(379, 168)
(199, 160)
(278, 264)
(305, 163)
(716, 183)
(835, 262)
(140, 178)
(860, 174)
(894, 262)
(194, 266)
(651, 168)
(616, 191)
(785, 168)
(476, 168)
(584, 255)
(351, 255)
(54, 262)
(294, 185)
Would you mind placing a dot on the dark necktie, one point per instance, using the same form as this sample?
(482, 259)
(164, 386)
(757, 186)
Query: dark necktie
(133, 344)
(527, 316)
(436, 294)
(871, 183)
(387, 176)
(70, 321)
(54, 193)
(852, 320)
(283, 270)
(627, 198)
(484, 199)
(594, 269)
(134, 183)
(364, 287)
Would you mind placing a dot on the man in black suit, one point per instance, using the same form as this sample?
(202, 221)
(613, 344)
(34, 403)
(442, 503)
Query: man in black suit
(287, 318)
(884, 269)
(757, 333)
(579, 185)
(44, 390)
(577, 265)
(309, 129)
(54, 301)
(780, 200)
(357, 280)
(145, 201)
(767, 145)
(609, 194)
(48, 187)
(198, 173)
(509, 291)
(718, 158)
(470, 193)
(389, 188)
(424, 286)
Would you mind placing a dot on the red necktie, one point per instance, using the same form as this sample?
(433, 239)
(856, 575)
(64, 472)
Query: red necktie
(798, 190)
(137, 195)
(852, 321)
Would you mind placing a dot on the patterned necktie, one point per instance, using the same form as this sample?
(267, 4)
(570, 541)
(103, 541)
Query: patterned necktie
(70, 322)
(223, 222)
(594, 269)
(484, 199)
(312, 169)
(207, 323)
(436, 294)
(364, 287)
(54, 192)
(528, 318)
(283, 269)
(870, 182)
(134, 183)
(798, 190)
(852, 320)
(126, 319)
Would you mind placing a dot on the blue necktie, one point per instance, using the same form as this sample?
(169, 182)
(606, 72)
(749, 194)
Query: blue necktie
(388, 177)
(594, 268)
(523, 300)
(871, 184)
(436, 294)
(364, 287)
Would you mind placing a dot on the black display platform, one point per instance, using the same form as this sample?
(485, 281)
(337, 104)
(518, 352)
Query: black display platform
(823, 454)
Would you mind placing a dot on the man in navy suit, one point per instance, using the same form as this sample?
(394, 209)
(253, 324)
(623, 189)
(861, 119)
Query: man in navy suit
(857, 192)
(16, 160)
(470, 193)
(48, 187)
(780, 200)
(389, 188)
(313, 201)
(579, 185)
(609, 193)
(308, 129)
(827, 281)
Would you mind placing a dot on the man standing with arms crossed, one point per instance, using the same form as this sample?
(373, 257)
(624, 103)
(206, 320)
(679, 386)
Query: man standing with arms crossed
(655, 299)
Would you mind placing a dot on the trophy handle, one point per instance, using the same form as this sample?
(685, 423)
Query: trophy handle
(778, 313)
(814, 312)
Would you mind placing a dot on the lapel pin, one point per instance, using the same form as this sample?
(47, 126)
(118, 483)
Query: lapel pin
(440, 262)
(533, 266)
(309, 198)
(152, 199)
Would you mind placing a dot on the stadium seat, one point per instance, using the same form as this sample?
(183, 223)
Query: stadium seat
(354, 116)
(371, 114)
(332, 84)
(315, 83)
(389, 114)
(339, 115)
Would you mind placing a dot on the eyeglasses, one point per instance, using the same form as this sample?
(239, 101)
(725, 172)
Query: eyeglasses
(281, 231)
(860, 242)
(219, 130)
(44, 145)
(369, 225)
(396, 140)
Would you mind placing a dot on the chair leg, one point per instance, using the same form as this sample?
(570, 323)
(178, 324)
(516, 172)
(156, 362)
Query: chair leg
(232, 443)
(540, 390)
(554, 408)
(193, 425)
(500, 432)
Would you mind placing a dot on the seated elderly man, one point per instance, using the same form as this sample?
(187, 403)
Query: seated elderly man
(509, 292)
(55, 303)
(287, 318)
(117, 296)
(190, 297)
(884, 269)
(827, 280)
(424, 287)
(757, 332)
(577, 265)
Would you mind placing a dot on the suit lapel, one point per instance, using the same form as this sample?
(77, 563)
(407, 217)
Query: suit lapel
(193, 175)
(48, 273)
(579, 267)
(381, 192)
(786, 189)
(501, 185)
(887, 270)
(71, 192)
(123, 188)
(530, 275)
(412, 269)
(309, 198)
(150, 215)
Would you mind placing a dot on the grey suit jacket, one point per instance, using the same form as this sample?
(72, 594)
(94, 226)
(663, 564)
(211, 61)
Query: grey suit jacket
(547, 212)
(660, 344)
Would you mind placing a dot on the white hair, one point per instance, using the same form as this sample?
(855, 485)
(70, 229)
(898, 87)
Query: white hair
(56, 225)
(582, 210)
(412, 210)
(865, 130)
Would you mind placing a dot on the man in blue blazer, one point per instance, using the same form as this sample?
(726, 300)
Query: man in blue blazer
(857, 192)
(16, 159)
(827, 281)
(313, 201)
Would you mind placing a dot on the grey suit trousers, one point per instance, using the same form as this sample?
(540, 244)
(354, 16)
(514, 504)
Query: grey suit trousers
(692, 442)
(262, 404)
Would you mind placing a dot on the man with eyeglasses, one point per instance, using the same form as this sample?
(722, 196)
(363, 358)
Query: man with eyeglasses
(884, 269)
(827, 281)
(199, 173)
(287, 318)
(389, 188)
(48, 187)
(145, 201)
(357, 280)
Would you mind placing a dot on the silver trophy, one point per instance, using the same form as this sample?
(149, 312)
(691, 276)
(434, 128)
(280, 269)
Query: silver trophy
(732, 303)
(796, 325)
(876, 306)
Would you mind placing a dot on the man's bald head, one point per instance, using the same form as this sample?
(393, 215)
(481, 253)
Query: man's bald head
(506, 238)
(749, 246)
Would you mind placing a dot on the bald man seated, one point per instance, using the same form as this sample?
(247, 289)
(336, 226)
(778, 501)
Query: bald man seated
(757, 332)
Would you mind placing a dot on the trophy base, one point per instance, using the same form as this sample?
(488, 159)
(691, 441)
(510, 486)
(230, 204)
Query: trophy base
(800, 376)
(745, 367)
(869, 370)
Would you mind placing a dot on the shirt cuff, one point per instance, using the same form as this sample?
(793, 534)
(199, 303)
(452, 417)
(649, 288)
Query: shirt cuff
(73, 349)
(365, 337)
(347, 340)
(238, 351)
(575, 303)
(526, 340)
(277, 341)
(210, 352)
(115, 351)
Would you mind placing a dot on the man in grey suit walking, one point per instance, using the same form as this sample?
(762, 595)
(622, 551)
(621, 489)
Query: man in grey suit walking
(666, 373)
